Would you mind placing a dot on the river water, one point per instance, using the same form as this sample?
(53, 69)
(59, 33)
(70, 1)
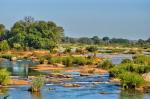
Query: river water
(92, 87)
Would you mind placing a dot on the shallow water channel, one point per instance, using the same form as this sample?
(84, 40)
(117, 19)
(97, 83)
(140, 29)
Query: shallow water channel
(92, 87)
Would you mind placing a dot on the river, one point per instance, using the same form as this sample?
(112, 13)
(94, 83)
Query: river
(92, 87)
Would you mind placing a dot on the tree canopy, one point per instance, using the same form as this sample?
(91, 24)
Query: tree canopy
(34, 34)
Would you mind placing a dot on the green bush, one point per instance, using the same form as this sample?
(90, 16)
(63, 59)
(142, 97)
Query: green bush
(106, 65)
(54, 60)
(138, 68)
(127, 61)
(67, 50)
(67, 61)
(79, 60)
(142, 59)
(89, 62)
(91, 48)
(115, 71)
(6, 56)
(41, 60)
(4, 77)
(36, 84)
(130, 80)
(4, 45)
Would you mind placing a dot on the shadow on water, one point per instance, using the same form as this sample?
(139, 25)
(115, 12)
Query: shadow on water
(4, 93)
(20, 67)
(132, 94)
(36, 95)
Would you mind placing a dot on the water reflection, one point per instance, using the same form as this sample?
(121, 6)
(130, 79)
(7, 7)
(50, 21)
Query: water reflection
(19, 67)
(3, 90)
(131, 94)
(36, 95)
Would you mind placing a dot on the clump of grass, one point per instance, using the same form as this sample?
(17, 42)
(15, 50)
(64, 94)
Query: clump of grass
(37, 83)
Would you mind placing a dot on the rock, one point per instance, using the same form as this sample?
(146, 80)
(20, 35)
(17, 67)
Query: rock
(58, 76)
(146, 76)
(71, 85)
(14, 58)
(85, 74)
(115, 81)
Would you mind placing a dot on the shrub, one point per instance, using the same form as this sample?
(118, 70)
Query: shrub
(138, 68)
(114, 72)
(54, 60)
(6, 56)
(4, 77)
(142, 59)
(79, 60)
(89, 62)
(92, 48)
(67, 61)
(17, 46)
(130, 80)
(41, 60)
(36, 84)
(4, 45)
(126, 61)
(67, 50)
(106, 65)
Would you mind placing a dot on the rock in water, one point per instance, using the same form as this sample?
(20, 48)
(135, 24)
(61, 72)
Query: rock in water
(146, 76)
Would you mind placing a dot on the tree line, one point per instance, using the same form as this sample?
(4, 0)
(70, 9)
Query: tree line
(106, 41)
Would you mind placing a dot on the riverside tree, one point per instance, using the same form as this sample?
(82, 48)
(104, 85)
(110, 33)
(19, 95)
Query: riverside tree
(35, 34)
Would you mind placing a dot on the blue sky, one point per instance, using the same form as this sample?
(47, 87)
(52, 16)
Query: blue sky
(114, 18)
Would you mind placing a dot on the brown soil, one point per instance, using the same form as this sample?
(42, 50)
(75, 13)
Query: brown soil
(44, 67)
(18, 82)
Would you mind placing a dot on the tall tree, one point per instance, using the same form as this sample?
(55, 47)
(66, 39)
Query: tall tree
(96, 39)
(36, 34)
(2, 32)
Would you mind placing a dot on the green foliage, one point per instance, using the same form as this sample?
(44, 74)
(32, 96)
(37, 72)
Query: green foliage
(106, 64)
(67, 50)
(67, 61)
(126, 61)
(70, 61)
(4, 77)
(17, 46)
(36, 84)
(79, 60)
(130, 80)
(41, 60)
(85, 40)
(119, 40)
(4, 45)
(2, 31)
(142, 59)
(92, 48)
(131, 67)
(115, 71)
(54, 60)
(129, 71)
(33, 34)
(96, 40)
(6, 56)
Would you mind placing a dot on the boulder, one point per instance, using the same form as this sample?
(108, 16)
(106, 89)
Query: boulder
(14, 58)
(71, 85)
(146, 76)
(84, 74)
